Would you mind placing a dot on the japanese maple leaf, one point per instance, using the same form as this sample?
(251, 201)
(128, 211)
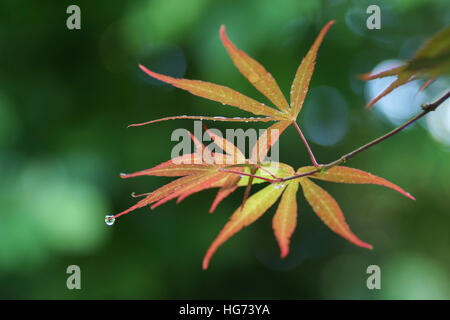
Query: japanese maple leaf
(199, 171)
(285, 218)
(285, 114)
(203, 170)
(429, 62)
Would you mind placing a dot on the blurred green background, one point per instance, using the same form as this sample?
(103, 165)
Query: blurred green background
(66, 98)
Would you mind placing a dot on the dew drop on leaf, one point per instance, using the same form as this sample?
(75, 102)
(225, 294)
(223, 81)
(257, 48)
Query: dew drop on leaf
(279, 186)
(109, 220)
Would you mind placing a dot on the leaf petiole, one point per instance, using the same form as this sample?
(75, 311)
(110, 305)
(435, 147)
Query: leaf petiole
(311, 154)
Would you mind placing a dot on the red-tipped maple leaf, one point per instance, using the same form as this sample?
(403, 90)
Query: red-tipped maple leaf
(262, 80)
(285, 218)
(429, 62)
(229, 170)
(203, 170)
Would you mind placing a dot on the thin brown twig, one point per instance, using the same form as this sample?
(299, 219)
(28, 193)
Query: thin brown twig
(426, 108)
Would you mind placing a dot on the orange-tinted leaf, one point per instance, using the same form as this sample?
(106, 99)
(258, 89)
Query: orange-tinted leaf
(230, 185)
(255, 73)
(181, 188)
(171, 169)
(401, 80)
(204, 181)
(218, 93)
(342, 174)
(430, 61)
(285, 218)
(211, 183)
(236, 119)
(427, 83)
(199, 147)
(387, 73)
(437, 46)
(253, 171)
(209, 173)
(304, 73)
(267, 140)
(329, 211)
(160, 193)
(227, 146)
(255, 207)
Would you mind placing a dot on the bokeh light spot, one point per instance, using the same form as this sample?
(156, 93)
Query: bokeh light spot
(325, 116)
(400, 104)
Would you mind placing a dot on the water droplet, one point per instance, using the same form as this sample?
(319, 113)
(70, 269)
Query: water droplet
(279, 185)
(109, 220)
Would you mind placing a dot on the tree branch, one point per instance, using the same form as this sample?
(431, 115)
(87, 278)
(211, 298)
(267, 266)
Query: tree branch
(426, 108)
